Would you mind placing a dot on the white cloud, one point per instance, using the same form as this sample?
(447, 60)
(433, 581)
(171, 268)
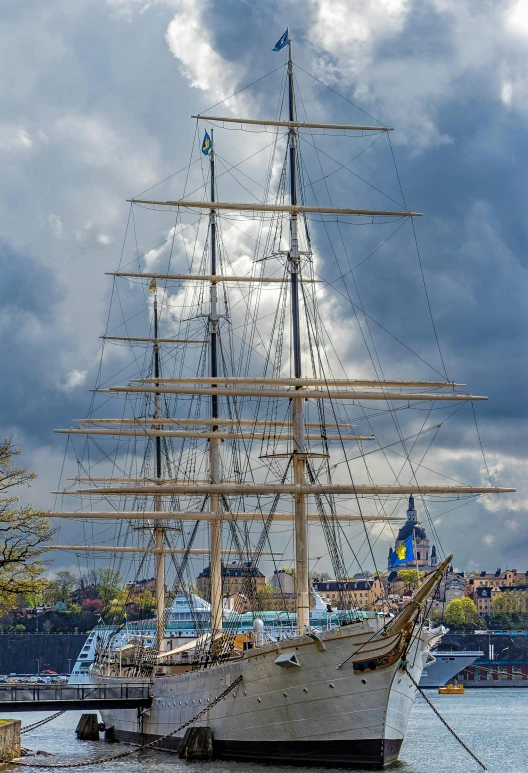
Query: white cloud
(56, 226)
(488, 539)
(507, 92)
(189, 40)
(75, 378)
(95, 141)
(14, 138)
(516, 18)
(338, 26)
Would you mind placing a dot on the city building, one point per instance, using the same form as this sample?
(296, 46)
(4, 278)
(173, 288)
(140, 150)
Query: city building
(284, 581)
(499, 579)
(238, 602)
(425, 558)
(362, 593)
(236, 578)
(483, 597)
(136, 588)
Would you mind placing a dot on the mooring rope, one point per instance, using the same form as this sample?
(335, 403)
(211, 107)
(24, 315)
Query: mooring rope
(137, 749)
(41, 722)
(440, 717)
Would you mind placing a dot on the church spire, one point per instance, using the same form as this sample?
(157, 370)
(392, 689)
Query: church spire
(412, 515)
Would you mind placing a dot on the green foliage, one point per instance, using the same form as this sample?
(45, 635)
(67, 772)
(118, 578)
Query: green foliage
(509, 610)
(462, 614)
(23, 532)
(145, 603)
(111, 588)
(410, 576)
(59, 588)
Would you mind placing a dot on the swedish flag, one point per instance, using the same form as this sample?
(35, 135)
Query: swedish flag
(404, 553)
(206, 144)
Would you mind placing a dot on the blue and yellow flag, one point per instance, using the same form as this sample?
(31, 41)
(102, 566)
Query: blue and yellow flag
(281, 42)
(404, 553)
(206, 144)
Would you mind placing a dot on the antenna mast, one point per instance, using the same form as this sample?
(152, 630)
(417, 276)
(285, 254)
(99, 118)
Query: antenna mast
(302, 598)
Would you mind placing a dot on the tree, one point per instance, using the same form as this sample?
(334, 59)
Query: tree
(319, 576)
(115, 608)
(267, 597)
(60, 588)
(92, 605)
(410, 576)
(145, 603)
(23, 532)
(462, 614)
(111, 586)
(509, 610)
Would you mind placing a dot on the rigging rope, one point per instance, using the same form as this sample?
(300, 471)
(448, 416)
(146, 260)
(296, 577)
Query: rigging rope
(445, 722)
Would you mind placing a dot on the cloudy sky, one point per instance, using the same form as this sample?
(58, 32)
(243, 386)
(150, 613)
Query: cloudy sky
(97, 97)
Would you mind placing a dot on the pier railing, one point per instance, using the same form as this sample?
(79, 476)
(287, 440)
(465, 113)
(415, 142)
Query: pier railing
(45, 697)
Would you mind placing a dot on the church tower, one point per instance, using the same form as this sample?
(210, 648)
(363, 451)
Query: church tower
(425, 557)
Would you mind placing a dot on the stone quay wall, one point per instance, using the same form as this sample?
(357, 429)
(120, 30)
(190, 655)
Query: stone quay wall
(9, 739)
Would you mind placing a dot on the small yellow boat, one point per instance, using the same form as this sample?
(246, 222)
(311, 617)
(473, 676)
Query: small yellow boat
(452, 689)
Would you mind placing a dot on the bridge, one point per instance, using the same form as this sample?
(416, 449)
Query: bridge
(65, 697)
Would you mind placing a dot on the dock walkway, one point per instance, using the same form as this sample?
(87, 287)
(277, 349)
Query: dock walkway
(64, 697)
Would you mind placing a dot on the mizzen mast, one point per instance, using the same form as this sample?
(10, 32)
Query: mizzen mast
(158, 525)
(302, 598)
(215, 524)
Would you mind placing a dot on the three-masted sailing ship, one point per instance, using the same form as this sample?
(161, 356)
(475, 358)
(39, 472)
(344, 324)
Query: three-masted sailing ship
(226, 447)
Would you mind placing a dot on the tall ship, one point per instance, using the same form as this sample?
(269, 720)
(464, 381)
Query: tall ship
(225, 428)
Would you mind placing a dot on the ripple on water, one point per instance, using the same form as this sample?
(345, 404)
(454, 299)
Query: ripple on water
(492, 722)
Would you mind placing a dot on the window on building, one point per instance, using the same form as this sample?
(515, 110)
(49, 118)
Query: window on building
(418, 556)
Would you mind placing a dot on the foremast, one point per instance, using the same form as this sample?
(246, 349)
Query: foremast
(302, 590)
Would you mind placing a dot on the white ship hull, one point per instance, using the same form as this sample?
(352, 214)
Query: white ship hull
(319, 712)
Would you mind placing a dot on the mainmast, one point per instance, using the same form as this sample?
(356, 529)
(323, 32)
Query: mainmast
(158, 529)
(302, 598)
(215, 525)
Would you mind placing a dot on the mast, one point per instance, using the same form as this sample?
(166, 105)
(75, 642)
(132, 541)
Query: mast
(158, 529)
(215, 525)
(302, 598)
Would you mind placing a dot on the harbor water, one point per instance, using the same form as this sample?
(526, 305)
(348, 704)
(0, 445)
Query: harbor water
(491, 722)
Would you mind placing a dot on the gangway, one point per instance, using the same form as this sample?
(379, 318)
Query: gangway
(63, 697)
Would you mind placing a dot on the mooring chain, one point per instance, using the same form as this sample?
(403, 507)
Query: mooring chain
(137, 749)
(41, 722)
(440, 717)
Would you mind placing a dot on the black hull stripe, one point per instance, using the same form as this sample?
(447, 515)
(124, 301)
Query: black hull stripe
(369, 753)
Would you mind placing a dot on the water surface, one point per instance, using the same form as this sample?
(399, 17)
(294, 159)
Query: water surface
(492, 722)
